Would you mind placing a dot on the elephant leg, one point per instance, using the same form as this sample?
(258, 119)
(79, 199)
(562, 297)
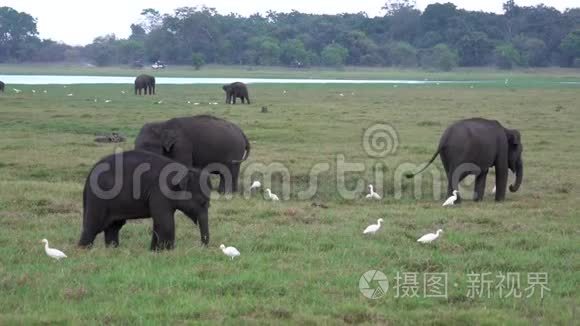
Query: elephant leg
(234, 97)
(243, 101)
(112, 233)
(235, 171)
(501, 178)
(92, 225)
(247, 100)
(454, 177)
(153, 88)
(222, 186)
(163, 231)
(479, 190)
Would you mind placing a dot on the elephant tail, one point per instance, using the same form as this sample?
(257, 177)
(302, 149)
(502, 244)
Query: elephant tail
(246, 150)
(411, 175)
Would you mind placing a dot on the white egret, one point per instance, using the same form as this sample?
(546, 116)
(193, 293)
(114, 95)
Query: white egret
(271, 196)
(123, 92)
(255, 185)
(372, 194)
(51, 252)
(70, 94)
(451, 200)
(196, 103)
(230, 251)
(429, 237)
(341, 94)
(17, 91)
(33, 91)
(108, 101)
(373, 228)
(45, 91)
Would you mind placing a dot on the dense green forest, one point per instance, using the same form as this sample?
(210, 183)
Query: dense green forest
(441, 37)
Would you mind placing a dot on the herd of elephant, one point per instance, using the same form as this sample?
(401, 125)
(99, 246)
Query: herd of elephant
(146, 84)
(202, 145)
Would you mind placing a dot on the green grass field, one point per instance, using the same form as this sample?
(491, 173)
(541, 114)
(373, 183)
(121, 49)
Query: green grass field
(299, 264)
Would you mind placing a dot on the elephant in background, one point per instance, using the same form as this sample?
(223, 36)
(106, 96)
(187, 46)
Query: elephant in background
(201, 141)
(2, 85)
(235, 90)
(472, 146)
(145, 83)
(136, 185)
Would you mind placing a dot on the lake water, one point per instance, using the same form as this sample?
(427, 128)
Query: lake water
(71, 80)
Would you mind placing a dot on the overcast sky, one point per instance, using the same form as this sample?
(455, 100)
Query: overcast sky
(78, 22)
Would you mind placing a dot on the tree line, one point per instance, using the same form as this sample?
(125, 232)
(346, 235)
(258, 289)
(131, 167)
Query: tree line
(441, 37)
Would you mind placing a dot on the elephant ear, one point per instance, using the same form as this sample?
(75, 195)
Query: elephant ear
(168, 139)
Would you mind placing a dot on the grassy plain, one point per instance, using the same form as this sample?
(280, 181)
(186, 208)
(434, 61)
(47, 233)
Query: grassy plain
(300, 264)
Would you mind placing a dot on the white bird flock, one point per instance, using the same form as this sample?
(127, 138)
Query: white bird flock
(429, 237)
(271, 196)
(372, 194)
(51, 252)
(231, 252)
(373, 228)
(451, 200)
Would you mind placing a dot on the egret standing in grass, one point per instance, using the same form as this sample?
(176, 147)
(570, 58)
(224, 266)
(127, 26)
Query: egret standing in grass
(255, 185)
(271, 196)
(451, 200)
(53, 253)
(231, 252)
(373, 228)
(429, 237)
(372, 194)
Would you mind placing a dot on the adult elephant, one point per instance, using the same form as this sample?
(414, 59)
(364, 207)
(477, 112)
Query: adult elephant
(145, 83)
(2, 85)
(474, 145)
(201, 141)
(235, 90)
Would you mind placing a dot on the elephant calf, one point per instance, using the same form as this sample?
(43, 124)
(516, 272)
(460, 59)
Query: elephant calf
(235, 90)
(135, 185)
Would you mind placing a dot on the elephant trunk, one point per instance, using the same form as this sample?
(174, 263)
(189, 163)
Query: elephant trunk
(203, 223)
(519, 176)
